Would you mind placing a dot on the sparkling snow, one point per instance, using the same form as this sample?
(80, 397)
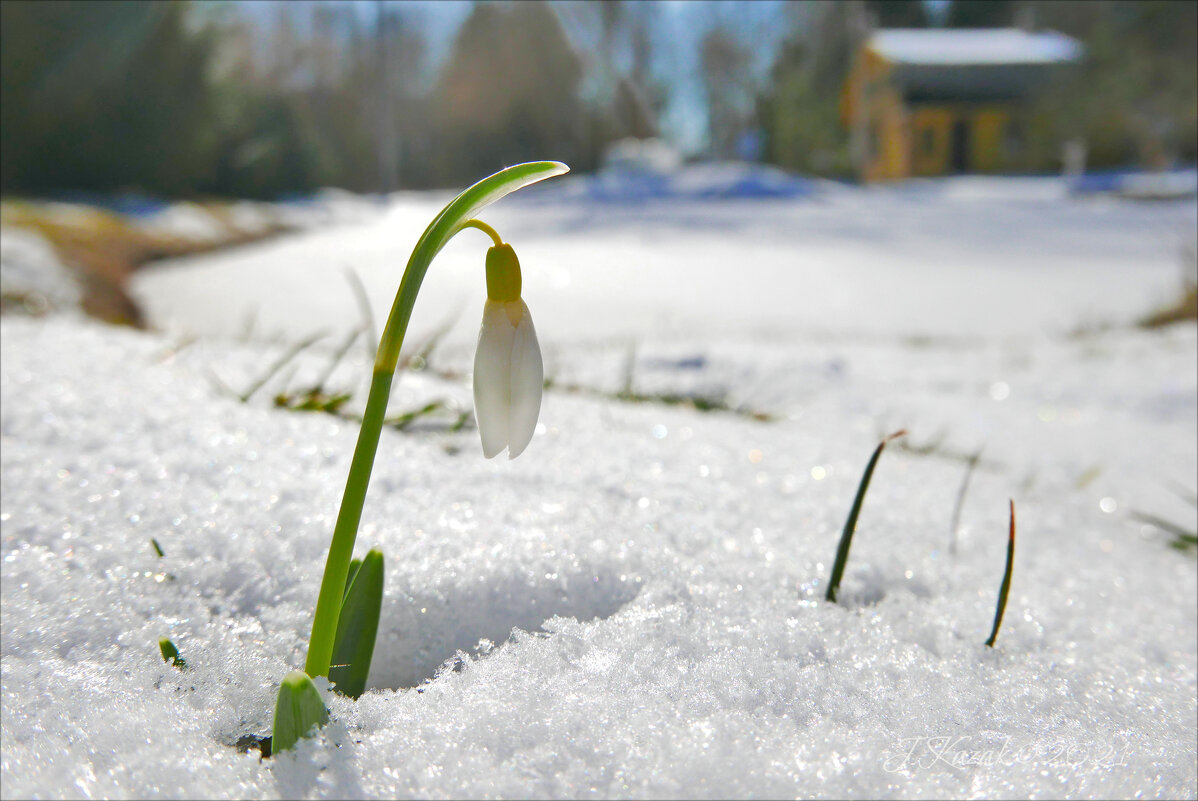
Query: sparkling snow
(634, 607)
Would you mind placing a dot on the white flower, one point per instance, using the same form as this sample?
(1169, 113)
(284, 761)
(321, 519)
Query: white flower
(508, 378)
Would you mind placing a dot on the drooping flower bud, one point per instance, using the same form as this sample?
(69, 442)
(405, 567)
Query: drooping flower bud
(509, 374)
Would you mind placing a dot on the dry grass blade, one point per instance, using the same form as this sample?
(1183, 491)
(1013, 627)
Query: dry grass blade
(282, 362)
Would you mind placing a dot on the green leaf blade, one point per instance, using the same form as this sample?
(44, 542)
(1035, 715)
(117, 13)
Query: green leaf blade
(354, 564)
(298, 710)
(357, 627)
(1005, 589)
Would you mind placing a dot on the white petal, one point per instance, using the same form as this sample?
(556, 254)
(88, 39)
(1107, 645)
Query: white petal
(492, 378)
(527, 383)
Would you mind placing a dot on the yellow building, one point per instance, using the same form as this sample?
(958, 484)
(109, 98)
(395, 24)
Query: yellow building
(942, 101)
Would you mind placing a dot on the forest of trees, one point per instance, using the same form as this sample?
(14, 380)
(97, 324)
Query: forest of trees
(186, 99)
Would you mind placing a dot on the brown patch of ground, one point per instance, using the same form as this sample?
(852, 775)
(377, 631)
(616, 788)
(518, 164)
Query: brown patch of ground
(104, 248)
(1186, 308)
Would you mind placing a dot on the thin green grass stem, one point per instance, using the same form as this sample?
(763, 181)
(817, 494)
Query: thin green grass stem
(291, 353)
(1182, 538)
(363, 301)
(338, 355)
(955, 526)
(850, 525)
(1005, 589)
(486, 229)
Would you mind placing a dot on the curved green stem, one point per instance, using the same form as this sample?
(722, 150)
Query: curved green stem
(486, 229)
(452, 219)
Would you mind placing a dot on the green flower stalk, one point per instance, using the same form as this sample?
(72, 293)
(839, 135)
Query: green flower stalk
(516, 393)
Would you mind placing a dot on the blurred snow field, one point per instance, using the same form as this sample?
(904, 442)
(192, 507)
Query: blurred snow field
(32, 274)
(634, 608)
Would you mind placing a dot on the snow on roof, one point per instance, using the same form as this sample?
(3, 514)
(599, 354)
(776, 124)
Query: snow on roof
(973, 46)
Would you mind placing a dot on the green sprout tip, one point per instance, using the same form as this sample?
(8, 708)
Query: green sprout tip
(1005, 589)
(170, 654)
(850, 525)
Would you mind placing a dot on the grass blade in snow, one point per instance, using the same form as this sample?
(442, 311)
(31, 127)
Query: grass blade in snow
(850, 525)
(291, 353)
(297, 709)
(1005, 589)
(170, 654)
(1182, 539)
(358, 626)
(955, 526)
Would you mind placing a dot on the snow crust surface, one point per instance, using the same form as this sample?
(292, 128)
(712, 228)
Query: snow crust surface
(634, 607)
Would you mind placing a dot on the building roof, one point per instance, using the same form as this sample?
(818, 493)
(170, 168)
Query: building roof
(973, 46)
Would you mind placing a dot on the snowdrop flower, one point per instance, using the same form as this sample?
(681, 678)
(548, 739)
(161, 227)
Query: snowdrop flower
(508, 372)
(507, 391)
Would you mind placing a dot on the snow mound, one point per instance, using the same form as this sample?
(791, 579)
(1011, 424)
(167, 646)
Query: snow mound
(31, 271)
(637, 183)
(187, 221)
(632, 608)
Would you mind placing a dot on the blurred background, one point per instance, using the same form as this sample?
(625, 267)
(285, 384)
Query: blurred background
(266, 99)
(159, 121)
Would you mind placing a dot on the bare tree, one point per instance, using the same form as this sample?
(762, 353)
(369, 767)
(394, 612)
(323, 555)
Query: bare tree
(728, 88)
(386, 137)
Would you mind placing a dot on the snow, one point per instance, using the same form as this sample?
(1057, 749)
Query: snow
(964, 257)
(30, 270)
(188, 221)
(1177, 184)
(194, 223)
(634, 607)
(973, 46)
